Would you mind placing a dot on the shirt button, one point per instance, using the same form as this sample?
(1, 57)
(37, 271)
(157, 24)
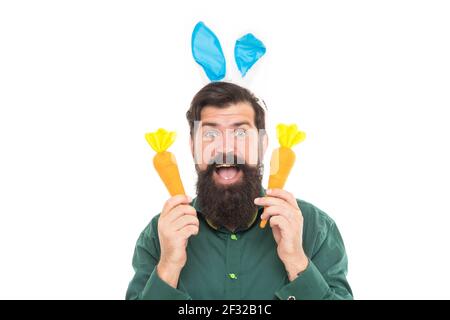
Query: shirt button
(232, 276)
(233, 237)
(291, 298)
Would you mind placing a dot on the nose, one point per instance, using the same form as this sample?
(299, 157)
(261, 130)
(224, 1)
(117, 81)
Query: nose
(227, 147)
(228, 144)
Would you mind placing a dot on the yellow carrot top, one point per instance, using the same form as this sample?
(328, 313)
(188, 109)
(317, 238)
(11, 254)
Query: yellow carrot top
(289, 135)
(160, 140)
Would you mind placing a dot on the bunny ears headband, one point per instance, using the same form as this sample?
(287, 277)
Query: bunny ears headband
(208, 53)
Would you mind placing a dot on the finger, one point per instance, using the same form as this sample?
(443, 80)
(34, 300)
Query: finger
(188, 231)
(277, 211)
(175, 201)
(283, 194)
(180, 210)
(280, 222)
(270, 201)
(183, 221)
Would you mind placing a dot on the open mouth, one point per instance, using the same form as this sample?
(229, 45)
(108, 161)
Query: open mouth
(227, 173)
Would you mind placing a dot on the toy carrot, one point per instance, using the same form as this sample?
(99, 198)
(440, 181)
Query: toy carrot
(164, 161)
(283, 158)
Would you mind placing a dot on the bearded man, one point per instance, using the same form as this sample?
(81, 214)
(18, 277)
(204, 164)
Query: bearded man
(211, 247)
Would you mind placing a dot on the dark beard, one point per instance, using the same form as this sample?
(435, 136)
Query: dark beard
(230, 206)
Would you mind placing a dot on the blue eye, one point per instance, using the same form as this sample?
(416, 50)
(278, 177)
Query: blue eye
(211, 134)
(240, 133)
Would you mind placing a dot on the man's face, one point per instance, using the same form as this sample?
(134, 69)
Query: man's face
(224, 134)
(225, 149)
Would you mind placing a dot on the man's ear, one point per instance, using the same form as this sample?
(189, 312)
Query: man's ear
(191, 142)
(265, 143)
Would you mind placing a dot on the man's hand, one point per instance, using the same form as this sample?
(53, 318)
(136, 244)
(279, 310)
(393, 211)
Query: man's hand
(177, 222)
(286, 221)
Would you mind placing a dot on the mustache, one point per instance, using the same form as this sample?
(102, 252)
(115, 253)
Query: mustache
(225, 159)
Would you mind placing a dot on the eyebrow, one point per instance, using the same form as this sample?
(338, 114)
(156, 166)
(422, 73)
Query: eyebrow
(236, 124)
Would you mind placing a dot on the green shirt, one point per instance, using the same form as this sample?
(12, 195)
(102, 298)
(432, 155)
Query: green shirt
(244, 264)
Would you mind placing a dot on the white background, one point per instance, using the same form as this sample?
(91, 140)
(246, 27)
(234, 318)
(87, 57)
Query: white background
(82, 81)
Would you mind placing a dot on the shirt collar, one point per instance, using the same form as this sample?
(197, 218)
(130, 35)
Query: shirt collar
(258, 212)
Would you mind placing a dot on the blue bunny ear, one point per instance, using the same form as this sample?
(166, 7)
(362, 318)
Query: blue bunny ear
(247, 51)
(207, 52)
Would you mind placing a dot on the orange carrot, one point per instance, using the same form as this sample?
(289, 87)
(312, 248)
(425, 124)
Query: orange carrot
(283, 158)
(164, 161)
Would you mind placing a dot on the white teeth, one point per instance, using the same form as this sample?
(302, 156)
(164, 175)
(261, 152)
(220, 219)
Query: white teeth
(224, 166)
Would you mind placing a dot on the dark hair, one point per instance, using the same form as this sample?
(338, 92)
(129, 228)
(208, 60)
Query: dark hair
(221, 95)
